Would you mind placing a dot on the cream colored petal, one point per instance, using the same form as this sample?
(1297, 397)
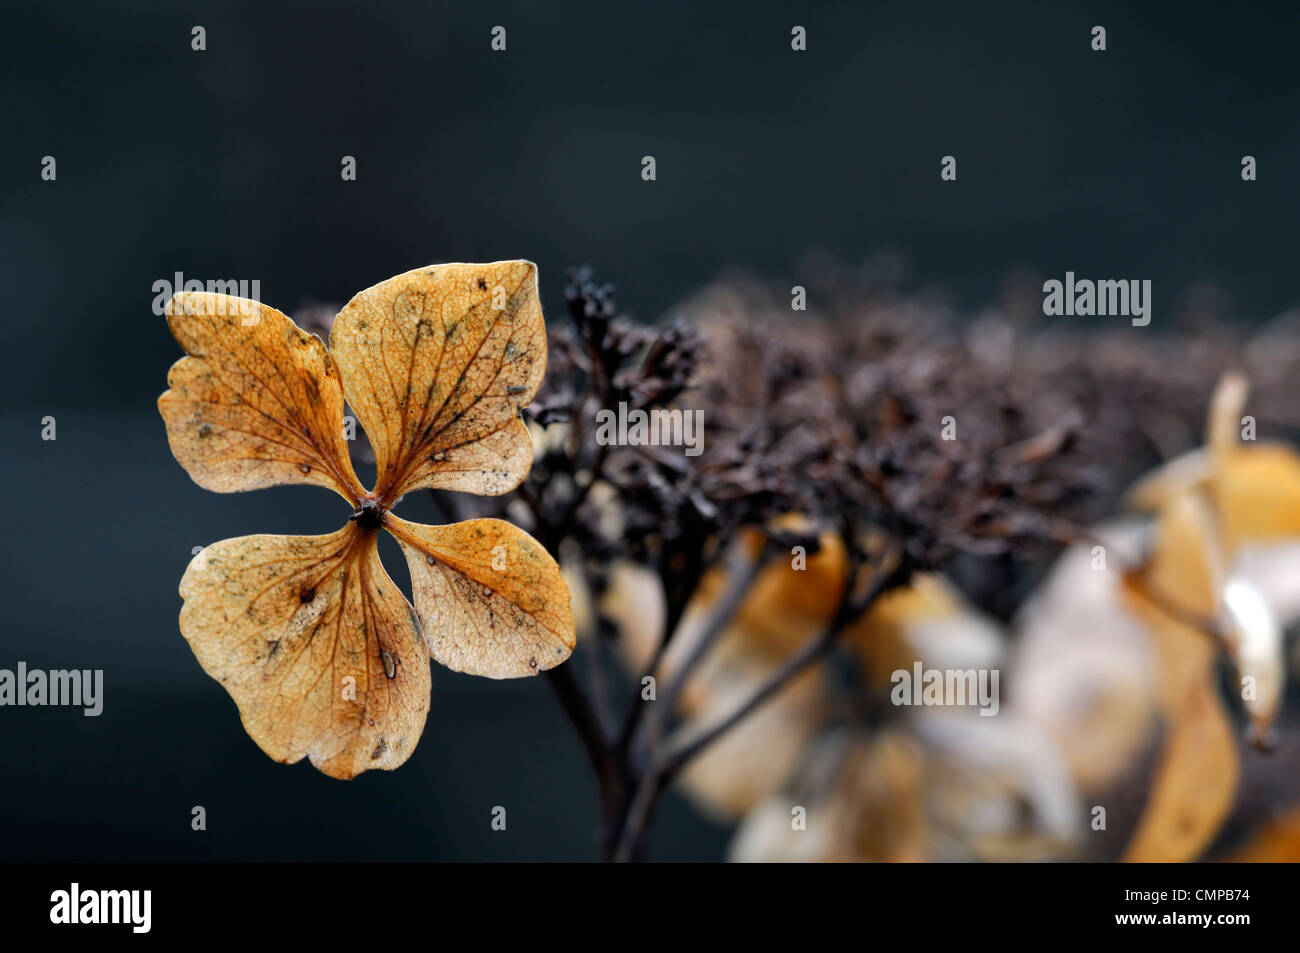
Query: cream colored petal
(1258, 650)
(1223, 429)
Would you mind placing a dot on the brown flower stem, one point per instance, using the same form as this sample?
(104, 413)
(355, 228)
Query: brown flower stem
(677, 597)
(742, 572)
(1212, 628)
(676, 608)
(592, 717)
(598, 678)
(580, 492)
(812, 650)
(598, 394)
(580, 713)
(632, 836)
(662, 773)
(680, 583)
(540, 523)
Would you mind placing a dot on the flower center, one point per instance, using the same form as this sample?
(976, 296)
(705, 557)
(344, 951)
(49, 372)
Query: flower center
(369, 514)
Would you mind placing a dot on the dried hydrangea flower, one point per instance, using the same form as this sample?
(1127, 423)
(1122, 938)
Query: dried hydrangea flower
(319, 648)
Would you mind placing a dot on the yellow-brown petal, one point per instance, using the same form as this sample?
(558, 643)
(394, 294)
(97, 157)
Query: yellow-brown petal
(437, 364)
(1257, 495)
(257, 403)
(1194, 784)
(490, 598)
(317, 646)
(1196, 776)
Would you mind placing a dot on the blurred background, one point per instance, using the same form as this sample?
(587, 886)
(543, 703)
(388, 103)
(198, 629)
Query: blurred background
(225, 164)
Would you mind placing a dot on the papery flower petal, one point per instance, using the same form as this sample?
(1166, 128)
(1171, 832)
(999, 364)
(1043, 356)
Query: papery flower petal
(491, 600)
(1196, 776)
(437, 364)
(1256, 486)
(1194, 785)
(1258, 648)
(317, 646)
(1257, 495)
(257, 403)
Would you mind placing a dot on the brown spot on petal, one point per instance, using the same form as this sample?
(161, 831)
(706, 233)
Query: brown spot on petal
(278, 620)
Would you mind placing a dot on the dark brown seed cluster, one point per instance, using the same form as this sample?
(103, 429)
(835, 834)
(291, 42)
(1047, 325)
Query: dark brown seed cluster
(981, 443)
